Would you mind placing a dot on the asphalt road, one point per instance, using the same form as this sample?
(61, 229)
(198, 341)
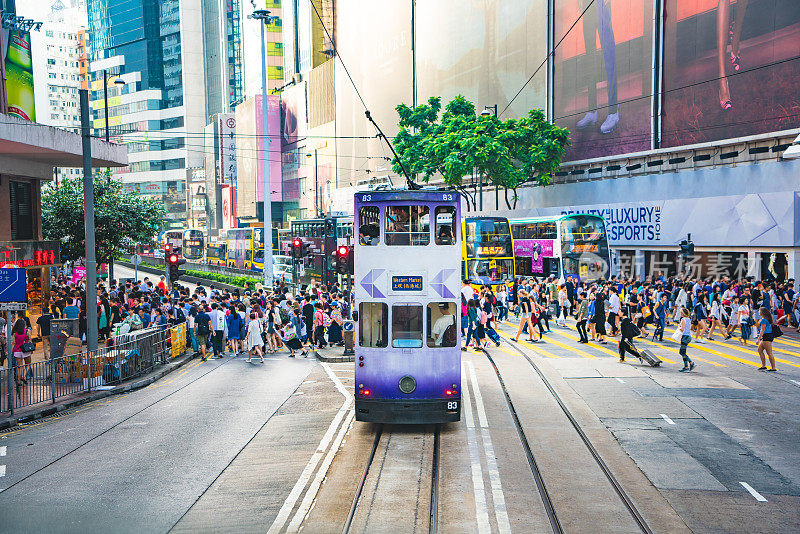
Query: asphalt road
(138, 462)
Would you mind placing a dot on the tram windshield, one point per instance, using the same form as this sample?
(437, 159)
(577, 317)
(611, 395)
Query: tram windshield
(408, 225)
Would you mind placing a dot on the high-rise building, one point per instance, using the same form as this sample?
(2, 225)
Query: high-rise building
(167, 71)
(57, 55)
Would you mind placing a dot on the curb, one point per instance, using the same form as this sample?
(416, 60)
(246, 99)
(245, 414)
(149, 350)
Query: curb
(122, 388)
(333, 359)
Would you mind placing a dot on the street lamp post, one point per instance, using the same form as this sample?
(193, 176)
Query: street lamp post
(265, 18)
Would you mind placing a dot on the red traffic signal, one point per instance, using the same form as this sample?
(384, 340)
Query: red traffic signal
(297, 248)
(167, 247)
(173, 258)
(342, 250)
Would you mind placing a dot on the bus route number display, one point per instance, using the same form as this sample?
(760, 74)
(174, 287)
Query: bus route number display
(406, 283)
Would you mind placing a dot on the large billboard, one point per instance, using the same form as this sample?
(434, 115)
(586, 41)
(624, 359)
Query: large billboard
(484, 50)
(273, 151)
(603, 75)
(731, 69)
(18, 65)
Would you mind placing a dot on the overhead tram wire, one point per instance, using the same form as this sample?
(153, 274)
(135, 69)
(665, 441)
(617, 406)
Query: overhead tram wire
(550, 53)
(409, 182)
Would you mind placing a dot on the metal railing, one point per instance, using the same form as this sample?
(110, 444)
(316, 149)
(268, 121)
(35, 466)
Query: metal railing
(130, 355)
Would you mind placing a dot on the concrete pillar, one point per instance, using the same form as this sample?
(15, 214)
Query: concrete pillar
(638, 264)
(754, 265)
(793, 269)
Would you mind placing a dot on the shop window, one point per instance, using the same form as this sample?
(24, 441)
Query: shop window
(407, 326)
(373, 324)
(408, 225)
(445, 225)
(21, 210)
(369, 227)
(442, 324)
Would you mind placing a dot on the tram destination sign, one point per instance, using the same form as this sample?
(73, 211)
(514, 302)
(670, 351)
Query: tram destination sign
(406, 283)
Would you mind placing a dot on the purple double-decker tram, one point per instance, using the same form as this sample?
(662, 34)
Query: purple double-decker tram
(407, 291)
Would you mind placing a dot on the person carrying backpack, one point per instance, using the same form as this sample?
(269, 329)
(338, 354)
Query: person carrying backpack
(202, 325)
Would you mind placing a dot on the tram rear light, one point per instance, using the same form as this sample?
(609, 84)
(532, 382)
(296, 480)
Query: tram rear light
(449, 392)
(367, 392)
(361, 364)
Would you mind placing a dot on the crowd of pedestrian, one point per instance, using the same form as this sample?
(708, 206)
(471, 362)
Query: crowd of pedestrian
(219, 322)
(753, 311)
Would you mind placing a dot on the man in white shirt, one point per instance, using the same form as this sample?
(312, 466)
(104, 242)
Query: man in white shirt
(467, 291)
(218, 324)
(442, 323)
(614, 309)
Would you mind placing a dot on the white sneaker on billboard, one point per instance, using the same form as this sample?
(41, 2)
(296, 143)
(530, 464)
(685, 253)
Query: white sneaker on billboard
(589, 119)
(610, 124)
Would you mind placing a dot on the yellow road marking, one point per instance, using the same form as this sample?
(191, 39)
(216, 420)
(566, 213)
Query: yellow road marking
(697, 346)
(717, 364)
(525, 343)
(742, 348)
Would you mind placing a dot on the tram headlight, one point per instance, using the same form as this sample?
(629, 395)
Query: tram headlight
(407, 384)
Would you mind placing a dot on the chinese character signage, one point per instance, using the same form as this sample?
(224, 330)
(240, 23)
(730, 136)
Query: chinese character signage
(29, 253)
(227, 149)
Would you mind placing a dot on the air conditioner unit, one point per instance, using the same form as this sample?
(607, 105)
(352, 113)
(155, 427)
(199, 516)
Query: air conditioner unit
(297, 78)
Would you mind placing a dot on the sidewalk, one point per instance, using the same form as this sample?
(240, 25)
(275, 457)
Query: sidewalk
(332, 354)
(45, 409)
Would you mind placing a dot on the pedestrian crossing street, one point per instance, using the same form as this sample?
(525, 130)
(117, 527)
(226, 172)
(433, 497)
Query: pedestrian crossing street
(562, 342)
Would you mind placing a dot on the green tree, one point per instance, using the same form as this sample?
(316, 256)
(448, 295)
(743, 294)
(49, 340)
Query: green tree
(122, 219)
(462, 143)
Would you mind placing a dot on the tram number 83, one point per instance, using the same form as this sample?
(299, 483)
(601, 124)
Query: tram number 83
(452, 406)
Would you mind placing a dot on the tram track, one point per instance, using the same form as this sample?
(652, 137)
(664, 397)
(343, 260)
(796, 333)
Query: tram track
(358, 499)
(537, 474)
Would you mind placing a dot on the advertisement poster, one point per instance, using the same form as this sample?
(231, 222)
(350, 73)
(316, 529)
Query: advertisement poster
(78, 273)
(273, 150)
(19, 74)
(603, 72)
(536, 249)
(731, 69)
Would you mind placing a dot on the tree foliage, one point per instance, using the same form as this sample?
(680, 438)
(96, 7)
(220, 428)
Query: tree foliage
(122, 219)
(507, 152)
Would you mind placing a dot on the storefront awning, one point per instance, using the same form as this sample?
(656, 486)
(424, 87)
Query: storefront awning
(33, 149)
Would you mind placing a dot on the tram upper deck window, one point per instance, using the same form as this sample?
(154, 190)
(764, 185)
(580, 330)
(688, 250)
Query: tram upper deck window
(445, 225)
(408, 225)
(369, 225)
(373, 320)
(407, 326)
(442, 324)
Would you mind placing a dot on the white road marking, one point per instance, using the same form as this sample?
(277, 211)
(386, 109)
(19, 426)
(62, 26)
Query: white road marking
(753, 492)
(621, 381)
(795, 382)
(2, 470)
(310, 382)
(299, 393)
(319, 453)
(500, 510)
(3, 450)
(481, 510)
(667, 419)
(478, 397)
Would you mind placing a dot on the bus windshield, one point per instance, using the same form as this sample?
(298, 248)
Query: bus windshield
(488, 238)
(581, 229)
(488, 270)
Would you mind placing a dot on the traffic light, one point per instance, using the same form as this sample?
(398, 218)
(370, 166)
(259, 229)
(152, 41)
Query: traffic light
(175, 262)
(297, 248)
(167, 248)
(341, 259)
(687, 247)
(344, 259)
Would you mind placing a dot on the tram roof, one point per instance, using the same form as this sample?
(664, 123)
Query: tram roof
(429, 195)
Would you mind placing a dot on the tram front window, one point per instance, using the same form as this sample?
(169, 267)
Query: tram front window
(369, 230)
(373, 324)
(442, 324)
(494, 270)
(445, 225)
(408, 225)
(407, 326)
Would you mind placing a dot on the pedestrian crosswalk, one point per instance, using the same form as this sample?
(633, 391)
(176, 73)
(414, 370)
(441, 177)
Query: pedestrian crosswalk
(563, 342)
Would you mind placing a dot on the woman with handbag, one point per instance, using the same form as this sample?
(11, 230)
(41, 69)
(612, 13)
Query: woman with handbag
(745, 320)
(23, 349)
